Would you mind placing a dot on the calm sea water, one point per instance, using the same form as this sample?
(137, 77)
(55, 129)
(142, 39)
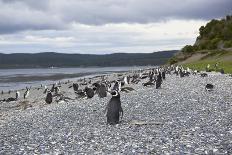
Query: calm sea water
(13, 79)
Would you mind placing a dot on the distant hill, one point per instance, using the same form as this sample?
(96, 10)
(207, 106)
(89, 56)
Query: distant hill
(213, 45)
(38, 60)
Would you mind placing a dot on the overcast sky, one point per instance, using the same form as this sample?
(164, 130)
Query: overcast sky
(104, 26)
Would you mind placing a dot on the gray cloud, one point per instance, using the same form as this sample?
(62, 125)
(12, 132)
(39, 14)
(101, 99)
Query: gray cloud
(21, 15)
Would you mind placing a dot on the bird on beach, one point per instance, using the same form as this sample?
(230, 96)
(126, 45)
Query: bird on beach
(48, 98)
(209, 87)
(159, 81)
(117, 86)
(75, 87)
(89, 92)
(114, 109)
(101, 89)
(26, 94)
(17, 95)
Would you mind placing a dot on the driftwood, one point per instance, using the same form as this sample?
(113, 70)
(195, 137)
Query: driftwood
(138, 122)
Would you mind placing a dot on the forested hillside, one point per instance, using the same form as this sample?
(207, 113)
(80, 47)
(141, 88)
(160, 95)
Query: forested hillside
(22, 60)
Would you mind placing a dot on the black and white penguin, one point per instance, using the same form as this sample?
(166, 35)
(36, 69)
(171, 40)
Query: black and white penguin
(163, 75)
(102, 91)
(80, 93)
(149, 83)
(57, 90)
(53, 87)
(158, 81)
(2, 92)
(26, 94)
(204, 75)
(126, 80)
(45, 90)
(17, 95)
(89, 92)
(209, 87)
(114, 109)
(75, 87)
(48, 98)
(117, 86)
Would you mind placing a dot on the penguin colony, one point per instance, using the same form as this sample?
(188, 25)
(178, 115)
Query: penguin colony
(114, 112)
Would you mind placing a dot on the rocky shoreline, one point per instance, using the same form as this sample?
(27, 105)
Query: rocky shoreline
(179, 118)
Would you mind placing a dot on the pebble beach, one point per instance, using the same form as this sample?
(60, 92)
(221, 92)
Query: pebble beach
(179, 118)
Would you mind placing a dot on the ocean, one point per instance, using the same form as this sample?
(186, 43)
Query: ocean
(15, 79)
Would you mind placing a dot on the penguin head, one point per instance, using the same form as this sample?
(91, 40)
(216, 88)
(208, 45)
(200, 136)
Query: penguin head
(115, 93)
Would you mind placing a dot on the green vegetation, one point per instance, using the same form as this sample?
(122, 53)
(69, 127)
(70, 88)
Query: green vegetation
(221, 58)
(213, 45)
(217, 34)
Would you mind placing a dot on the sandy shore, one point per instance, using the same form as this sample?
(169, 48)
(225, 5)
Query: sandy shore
(179, 118)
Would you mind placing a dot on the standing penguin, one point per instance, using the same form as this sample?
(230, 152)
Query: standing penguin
(158, 81)
(75, 87)
(114, 109)
(48, 99)
(117, 86)
(163, 75)
(26, 94)
(89, 92)
(17, 95)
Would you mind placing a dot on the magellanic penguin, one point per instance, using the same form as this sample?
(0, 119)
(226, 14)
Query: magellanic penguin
(114, 109)
(75, 87)
(101, 89)
(26, 94)
(48, 98)
(117, 86)
(159, 81)
(89, 92)
(209, 87)
(17, 95)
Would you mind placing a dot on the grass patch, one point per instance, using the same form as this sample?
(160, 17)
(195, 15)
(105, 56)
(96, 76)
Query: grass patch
(214, 57)
(201, 65)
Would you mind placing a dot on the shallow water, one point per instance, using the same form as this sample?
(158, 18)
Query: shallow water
(13, 79)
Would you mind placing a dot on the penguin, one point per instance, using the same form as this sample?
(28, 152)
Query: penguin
(149, 83)
(10, 99)
(26, 94)
(89, 92)
(75, 87)
(53, 88)
(204, 75)
(2, 92)
(80, 93)
(209, 87)
(48, 98)
(163, 75)
(158, 81)
(45, 91)
(126, 80)
(17, 95)
(114, 109)
(117, 86)
(57, 90)
(102, 91)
